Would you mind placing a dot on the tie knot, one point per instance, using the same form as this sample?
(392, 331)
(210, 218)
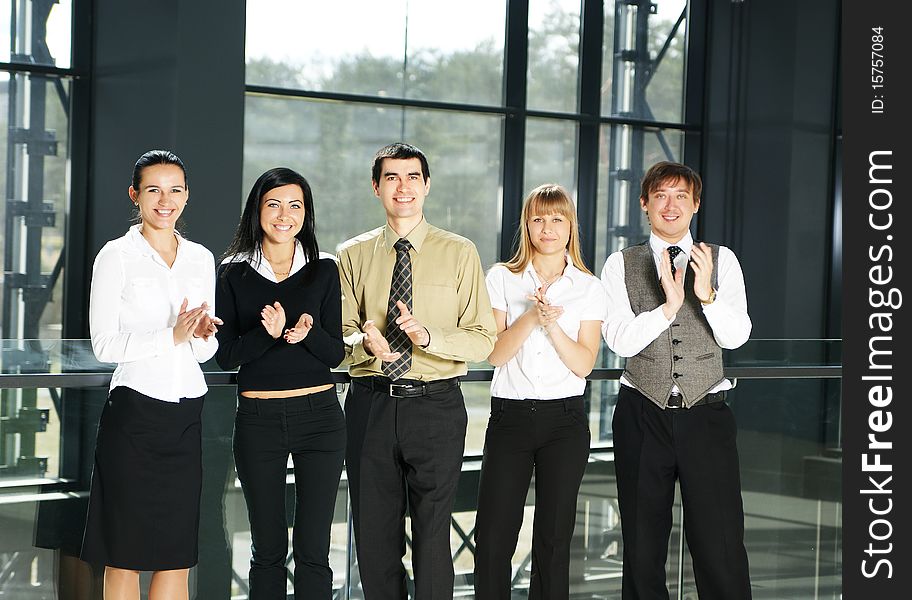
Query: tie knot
(673, 251)
(403, 245)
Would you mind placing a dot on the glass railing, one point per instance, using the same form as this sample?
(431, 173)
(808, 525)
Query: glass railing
(787, 403)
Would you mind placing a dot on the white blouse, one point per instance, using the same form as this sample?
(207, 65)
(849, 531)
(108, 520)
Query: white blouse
(133, 306)
(536, 372)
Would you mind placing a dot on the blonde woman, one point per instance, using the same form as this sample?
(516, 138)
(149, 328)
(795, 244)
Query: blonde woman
(549, 309)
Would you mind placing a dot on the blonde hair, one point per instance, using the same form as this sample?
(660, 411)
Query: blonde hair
(546, 199)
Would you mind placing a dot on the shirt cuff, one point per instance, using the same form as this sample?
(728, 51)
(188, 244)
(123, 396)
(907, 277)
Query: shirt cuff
(437, 340)
(358, 354)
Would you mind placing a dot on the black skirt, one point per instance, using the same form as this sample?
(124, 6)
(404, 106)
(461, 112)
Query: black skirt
(145, 501)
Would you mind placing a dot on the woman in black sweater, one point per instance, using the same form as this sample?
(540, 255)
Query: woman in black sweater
(282, 312)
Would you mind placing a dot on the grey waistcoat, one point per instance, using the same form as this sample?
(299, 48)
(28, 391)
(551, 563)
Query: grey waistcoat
(686, 353)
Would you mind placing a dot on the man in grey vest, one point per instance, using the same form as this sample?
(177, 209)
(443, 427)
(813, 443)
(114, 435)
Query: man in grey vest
(673, 305)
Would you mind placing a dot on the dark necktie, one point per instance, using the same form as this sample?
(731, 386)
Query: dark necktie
(400, 289)
(673, 252)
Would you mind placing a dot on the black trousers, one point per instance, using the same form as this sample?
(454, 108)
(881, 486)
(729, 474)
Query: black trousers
(551, 437)
(404, 451)
(312, 429)
(652, 448)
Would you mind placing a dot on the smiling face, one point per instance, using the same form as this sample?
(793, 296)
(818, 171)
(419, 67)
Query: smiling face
(549, 234)
(161, 197)
(670, 208)
(282, 213)
(402, 189)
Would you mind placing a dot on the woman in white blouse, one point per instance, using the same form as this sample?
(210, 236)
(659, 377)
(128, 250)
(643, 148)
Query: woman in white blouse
(549, 309)
(149, 311)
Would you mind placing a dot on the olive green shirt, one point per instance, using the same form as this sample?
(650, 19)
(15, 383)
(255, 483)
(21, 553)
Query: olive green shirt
(449, 298)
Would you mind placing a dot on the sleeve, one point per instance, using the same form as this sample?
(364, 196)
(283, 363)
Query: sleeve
(325, 337)
(235, 347)
(202, 349)
(494, 282)
(352, 336)
(727, 316)
(472, 339)
(626, 333)
(109, 343)
(597, 305)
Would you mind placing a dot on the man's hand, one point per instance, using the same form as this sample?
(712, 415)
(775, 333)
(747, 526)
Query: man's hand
(702, 259)
(273, 319)
(673, 286)
(376, 345)
(410, 325)
(300, 330)
(187, 322)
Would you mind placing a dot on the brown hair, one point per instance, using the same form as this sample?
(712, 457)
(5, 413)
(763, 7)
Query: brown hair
(546, 199)
(670, 172)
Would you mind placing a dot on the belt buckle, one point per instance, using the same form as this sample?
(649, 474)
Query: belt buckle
(392, 390)
(678, 406)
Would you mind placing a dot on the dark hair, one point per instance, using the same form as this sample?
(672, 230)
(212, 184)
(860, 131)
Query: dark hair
(670, 172)
(399, 150)
(249, 234)
(157, 157)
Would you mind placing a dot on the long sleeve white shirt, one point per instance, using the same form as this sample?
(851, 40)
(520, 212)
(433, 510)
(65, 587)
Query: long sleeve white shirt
(628, 334)
(133, 307)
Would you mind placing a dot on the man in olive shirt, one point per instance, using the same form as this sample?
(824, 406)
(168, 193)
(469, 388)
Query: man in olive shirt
(414, 309)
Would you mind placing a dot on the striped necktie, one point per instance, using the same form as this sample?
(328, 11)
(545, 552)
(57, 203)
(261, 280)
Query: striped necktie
(400, 289)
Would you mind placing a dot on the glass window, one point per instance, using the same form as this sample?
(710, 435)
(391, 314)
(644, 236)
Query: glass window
(28, 21)
(643, 61)
(625, 153)
(553, 69)
(34, 156)
(550, 154)
(333, 145)
(420, 49)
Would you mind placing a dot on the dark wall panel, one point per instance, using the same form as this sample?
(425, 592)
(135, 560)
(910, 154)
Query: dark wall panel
(768, 154)
(168, 75)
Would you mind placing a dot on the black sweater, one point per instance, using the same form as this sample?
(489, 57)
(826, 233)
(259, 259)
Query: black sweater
(266, 363)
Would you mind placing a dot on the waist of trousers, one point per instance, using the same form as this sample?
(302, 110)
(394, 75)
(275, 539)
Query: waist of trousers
(406, 388)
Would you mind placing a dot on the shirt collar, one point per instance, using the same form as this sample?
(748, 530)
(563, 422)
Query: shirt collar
(141, 244)
(571, 272)
(658, 244)
(415, 237)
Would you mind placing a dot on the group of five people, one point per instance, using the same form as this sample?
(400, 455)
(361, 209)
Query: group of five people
(406, 306)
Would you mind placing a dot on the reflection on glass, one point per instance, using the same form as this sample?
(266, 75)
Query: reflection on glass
(643, 61)
(553, 66)
(333, 144)
(550, 154)
(420, 49)
(790, 472)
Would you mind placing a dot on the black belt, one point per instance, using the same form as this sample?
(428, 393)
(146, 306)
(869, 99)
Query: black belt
(676, 400)
(407, 388)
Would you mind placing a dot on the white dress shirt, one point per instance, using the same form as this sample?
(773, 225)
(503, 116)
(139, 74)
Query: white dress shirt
(628, 334)
(261, 265)
(133, 306)
(536, 372)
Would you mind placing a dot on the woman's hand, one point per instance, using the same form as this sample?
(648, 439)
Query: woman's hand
(300, 330)
(273, 319)
(546, 314)
(187, 322)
